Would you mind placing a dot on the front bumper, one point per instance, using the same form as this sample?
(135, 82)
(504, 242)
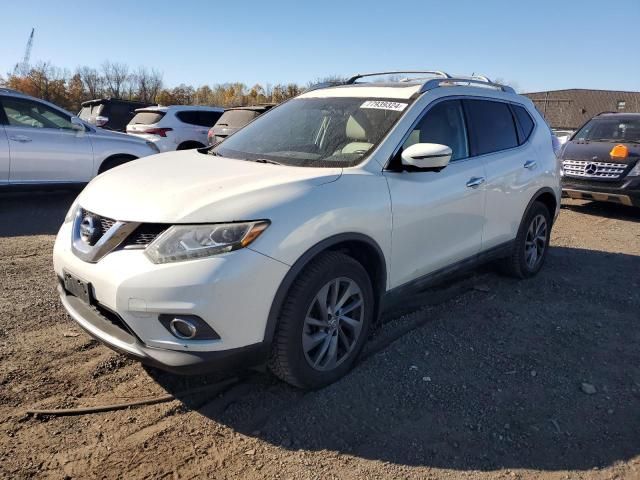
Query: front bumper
(626, 191)
(118, 339)
(233, 293)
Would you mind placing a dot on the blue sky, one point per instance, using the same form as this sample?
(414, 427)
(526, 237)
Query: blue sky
(537, 44)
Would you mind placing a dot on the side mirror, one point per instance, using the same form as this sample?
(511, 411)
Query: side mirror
(77, 125)
(427, 155)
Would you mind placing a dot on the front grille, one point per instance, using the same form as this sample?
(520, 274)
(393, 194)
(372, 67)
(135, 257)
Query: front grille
(571, 182)
(144, 235)
(113, 318)
(588, 169)
(105, 223)
(139, 238)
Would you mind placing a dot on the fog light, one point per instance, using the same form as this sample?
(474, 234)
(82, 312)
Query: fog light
(188, 327)
(183, 328)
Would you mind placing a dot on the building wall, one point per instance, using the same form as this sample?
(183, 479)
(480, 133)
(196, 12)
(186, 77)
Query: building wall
(569, 109)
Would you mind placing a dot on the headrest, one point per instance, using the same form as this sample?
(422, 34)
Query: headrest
(354, 130)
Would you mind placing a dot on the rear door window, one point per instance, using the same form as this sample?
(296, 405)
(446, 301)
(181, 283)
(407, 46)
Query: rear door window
(525, 122)
(491, 128)
(200, 118)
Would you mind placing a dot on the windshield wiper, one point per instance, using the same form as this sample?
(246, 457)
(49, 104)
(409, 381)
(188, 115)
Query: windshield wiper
(266, 160)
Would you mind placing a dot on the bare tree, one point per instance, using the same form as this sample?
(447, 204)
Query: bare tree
(92, 81)
(48, 82)
(116, 76)
(148, 84)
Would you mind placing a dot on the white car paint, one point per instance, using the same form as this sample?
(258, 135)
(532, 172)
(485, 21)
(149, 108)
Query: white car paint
(49, 156)
(421, 221)
(175, 132)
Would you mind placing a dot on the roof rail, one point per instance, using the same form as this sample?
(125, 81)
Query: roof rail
(438, 73)
(317, 86)
(10, 90)
(475, 80)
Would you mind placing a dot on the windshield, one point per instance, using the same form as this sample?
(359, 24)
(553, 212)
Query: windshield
(611, 130)
(315, 132)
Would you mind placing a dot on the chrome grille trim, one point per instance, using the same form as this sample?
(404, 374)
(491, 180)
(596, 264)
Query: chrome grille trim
(109, 241)
(592, 169)
(113, 235)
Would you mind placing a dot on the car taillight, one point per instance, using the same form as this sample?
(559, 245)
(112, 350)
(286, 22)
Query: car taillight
(162, 132)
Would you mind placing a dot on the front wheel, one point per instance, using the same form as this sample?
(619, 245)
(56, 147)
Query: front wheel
(324, 322)
(531, 244)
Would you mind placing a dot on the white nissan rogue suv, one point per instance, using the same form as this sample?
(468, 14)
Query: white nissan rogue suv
(281, 244)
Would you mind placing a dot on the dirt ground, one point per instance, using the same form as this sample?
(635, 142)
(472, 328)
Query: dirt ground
(479, 378)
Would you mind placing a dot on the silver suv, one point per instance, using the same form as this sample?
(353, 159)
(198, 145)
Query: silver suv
(44, 145)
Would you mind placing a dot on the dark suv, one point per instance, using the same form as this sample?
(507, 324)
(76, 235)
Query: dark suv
(233, 119)
(601, 161)
(110, 113)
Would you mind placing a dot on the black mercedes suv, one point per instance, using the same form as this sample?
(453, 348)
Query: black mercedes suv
(601, 161)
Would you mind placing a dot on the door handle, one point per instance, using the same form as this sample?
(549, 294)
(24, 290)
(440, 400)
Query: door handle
(475, 182)
(529, 164)
(20, 138)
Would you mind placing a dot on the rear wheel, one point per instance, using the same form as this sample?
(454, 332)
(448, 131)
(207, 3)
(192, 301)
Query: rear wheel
(531, 244)
(324, 322)
(189, 145)
(113, 162)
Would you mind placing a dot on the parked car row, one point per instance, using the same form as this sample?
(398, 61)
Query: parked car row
(176, 127)
(44, 145)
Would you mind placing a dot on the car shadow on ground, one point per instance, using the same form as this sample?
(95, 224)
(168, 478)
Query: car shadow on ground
(33, 213)
(493, 379)
(603, 209)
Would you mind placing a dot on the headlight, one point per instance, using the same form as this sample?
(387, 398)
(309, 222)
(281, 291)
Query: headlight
(635, 171)
(71, 214)
(187, 242)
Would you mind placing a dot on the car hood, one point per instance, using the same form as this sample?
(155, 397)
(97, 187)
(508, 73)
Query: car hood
(193, 187)
(597, 151)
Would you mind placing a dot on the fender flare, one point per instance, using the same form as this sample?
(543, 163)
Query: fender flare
(536, 196)
(303, 261)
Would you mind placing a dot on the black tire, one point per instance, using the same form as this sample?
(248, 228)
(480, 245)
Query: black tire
(189, 145)
(517, 264)
(288, 359)
(113, 162)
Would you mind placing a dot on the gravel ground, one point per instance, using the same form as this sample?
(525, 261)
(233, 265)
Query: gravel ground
(483, 377)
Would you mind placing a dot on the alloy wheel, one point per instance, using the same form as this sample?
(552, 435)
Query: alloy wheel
(536, 241)
(333, 324)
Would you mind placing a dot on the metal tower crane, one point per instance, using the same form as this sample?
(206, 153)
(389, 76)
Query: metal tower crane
(22, 68)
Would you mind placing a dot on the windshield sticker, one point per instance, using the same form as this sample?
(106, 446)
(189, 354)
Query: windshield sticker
(383, 105)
